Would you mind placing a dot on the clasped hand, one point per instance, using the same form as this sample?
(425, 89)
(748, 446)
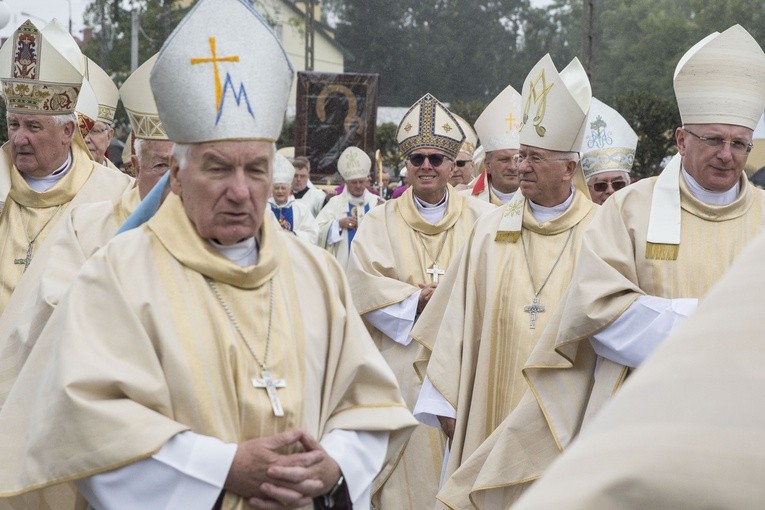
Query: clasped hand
(271, 480)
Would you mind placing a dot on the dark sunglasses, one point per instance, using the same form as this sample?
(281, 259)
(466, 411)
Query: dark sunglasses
(600, 187)
(462, 162)
(435, 159)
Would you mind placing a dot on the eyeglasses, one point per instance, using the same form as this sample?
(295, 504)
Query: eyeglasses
(738, 146)
(461, 162)
(98, 131)
(534, 159)
(602, 186)
(436, 160)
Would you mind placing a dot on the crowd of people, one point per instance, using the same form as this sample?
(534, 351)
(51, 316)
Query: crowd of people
(514, 324)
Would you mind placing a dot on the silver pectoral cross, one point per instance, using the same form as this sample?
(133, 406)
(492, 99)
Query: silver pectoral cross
(270, 385)
(28, 259)
(534, 308)
(435, 272)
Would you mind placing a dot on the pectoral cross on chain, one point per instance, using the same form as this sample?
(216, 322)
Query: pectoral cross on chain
(534, 308)
(28, 259)
(435, 272)
(270, 385)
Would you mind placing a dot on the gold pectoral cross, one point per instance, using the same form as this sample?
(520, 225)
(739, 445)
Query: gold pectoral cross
(28, 259)
(270, 385)
(533, 309)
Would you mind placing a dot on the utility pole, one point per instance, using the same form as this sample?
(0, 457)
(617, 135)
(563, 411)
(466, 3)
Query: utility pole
(309, 34)
(588, 35)
(135, 27)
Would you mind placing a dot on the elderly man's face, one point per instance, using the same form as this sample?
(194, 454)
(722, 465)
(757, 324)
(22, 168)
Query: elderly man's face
(714, 168)
(605, 184)
(151, 162)
(503, 169)
(545, 175)
(462, 174)
(39, 145)
(428, 179)
(356, 187)
(281, 192)
(98, 139)
(300, 180)
(224, 186)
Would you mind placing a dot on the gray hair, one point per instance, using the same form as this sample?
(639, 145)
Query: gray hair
(60, 120)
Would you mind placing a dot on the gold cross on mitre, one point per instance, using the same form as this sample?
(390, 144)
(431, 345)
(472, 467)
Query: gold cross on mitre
(509, 120)
(214, 61)
(539, 98)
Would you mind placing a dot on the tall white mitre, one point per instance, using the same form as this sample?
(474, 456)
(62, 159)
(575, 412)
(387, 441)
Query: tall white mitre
(354, 163)
(499, 124)
(554, 108)
(138, 100)
(206, 88)
(609, 142)
(106, 91)
(471, 138)
(283, 170)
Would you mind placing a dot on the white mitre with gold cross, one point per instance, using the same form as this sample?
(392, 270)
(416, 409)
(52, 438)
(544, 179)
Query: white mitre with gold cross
(222, 75)
(609, 142)
(428, 123)
(138, 100)
(499, 124)
(354, 163)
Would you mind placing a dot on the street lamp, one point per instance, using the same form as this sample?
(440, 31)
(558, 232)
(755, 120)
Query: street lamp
(70, 16)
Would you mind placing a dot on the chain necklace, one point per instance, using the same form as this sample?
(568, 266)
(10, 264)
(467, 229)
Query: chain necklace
(434, 271)
(535, 307)
(266, 380)
(28, 258)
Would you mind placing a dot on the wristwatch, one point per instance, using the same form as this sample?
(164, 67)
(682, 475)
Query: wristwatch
(329, 498)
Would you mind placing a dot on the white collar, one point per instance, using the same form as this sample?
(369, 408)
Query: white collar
(41, 184)
(503, 197)
(708, 196)
(432, 213)
(243, 253)
(543, 214)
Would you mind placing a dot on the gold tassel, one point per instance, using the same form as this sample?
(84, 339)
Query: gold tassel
(507, 236)
(658, 251)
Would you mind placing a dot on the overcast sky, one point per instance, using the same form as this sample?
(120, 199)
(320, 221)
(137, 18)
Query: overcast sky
(42, 11)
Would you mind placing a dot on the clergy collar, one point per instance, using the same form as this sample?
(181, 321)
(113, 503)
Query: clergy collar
(708, 196)
(301, 193)
(544, 214)
(432, 213)
(503, 197)
(243, 253)
(40, 184)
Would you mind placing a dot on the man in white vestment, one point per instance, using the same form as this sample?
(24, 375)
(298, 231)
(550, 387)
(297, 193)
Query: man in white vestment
(398, 256)
(340, 218)
(45, 167)
(653, 250)
(608, 151)
(686, 429)
(81, 232)
(100, 135)
(235, 371)
(303, 190)
(292, 215)
(500, 293)
(498, 127)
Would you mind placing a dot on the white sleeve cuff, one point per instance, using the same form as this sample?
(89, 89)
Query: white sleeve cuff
(431, 404)
(396, 320)
(188, 472)
(360, 456)
(631, 338)
(335, 233)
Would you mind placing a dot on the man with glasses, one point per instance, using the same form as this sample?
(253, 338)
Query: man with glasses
(509, 280)
(498, 127)
(462, 173)
(399, 255)
(654, 249)
(608, 151)
(100, 135)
